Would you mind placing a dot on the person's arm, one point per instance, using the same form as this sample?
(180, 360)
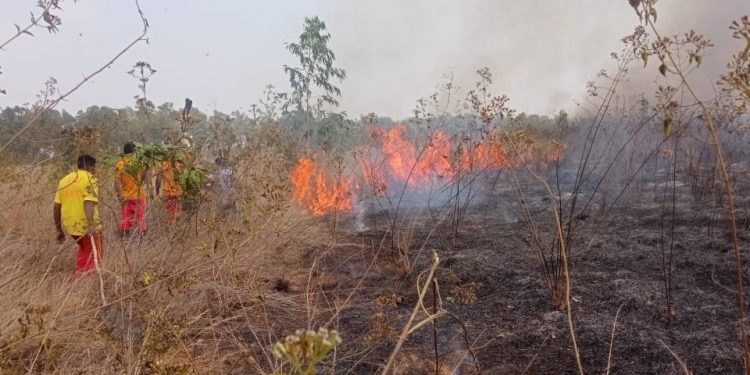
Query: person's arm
(88, 207)
(57, 215)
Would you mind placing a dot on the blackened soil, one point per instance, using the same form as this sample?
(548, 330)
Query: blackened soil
(620, 262)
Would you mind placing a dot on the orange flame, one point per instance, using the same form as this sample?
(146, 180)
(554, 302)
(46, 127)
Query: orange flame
(435, 160)
(487, 154)
(374, 177)
(400, 154)
(312, 189)
(405, 162)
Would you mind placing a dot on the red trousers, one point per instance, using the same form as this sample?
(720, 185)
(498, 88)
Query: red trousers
(174, 207)
(133, 210)
(85, 259)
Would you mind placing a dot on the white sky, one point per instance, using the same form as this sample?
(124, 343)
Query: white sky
(222, 53)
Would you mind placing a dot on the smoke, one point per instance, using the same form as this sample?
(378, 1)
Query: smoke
(542, 53)
(712, 21)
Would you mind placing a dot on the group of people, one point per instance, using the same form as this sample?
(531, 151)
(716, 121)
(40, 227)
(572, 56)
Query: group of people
(77, 197)
(131, 190)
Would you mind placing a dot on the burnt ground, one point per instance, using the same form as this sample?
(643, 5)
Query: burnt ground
(616, 263)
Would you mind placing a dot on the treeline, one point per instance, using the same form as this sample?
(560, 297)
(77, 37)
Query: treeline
(57, 133)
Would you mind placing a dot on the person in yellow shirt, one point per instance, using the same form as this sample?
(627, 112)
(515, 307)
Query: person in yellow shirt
(132, 193)
(76, 210)
(170, 189)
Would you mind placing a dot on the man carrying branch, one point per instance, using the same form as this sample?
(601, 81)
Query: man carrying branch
(169, 187)
(76, 210)
(129, 186)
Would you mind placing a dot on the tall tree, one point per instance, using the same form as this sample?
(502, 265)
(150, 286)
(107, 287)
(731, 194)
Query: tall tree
(315, 68)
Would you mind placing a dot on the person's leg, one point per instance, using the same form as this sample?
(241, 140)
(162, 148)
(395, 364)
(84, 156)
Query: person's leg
(84, 258)
(174, 207)
(128, 211)
(140, 213)
(170, 210)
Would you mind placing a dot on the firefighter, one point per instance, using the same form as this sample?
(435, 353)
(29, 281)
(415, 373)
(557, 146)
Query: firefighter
(131, 190)
(76, 210)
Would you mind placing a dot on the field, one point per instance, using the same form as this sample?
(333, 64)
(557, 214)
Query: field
(467, 238)
(217, 301)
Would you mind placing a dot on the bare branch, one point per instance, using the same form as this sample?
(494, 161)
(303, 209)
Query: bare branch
(49, 106)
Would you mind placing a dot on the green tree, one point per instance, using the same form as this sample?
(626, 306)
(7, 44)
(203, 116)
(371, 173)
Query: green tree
(315, 70)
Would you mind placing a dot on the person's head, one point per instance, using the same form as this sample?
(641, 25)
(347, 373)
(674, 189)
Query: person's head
(86, 162)
(129, 148)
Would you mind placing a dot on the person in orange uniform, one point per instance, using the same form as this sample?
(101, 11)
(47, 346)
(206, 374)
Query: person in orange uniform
(76, 210)
(170, 188)
(132, 192)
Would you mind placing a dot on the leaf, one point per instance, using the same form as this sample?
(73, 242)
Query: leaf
(644, 57)
(663, 69)
(698, 59)
(28, 32)
(666, 125)
(652, 11)
(18, 28)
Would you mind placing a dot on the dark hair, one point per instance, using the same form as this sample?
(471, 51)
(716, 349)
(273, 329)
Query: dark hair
(86, 161)
(129, 148)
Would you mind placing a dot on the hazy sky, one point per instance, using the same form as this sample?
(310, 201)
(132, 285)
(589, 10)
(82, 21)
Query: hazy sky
(222, 53)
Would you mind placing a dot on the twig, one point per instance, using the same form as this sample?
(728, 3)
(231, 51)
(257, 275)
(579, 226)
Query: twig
(565, 264)
(85, 79)
(612, 338)
(25, 30)
(728, 190)
(98, 269)
(722, 286)
(528, 366)
(407, 327)
(434, 325)
(679, 360)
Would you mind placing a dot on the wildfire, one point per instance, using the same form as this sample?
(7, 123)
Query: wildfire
(413, 164)
(486, 154)
(318, 192)
(408, 163)
(374, 176)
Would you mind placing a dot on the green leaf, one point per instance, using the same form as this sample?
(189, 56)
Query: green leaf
(652, 11)
(663, 69)
(698, 59)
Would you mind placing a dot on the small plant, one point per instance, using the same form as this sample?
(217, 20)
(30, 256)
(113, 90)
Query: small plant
(142, 71)
(306, 349)
(382, 330)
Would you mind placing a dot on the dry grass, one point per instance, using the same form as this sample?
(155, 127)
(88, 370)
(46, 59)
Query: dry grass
(204, 296)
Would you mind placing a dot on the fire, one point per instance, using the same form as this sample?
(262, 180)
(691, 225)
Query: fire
(400, 153)
(416, 166)
(435, 160)
(374, 176)
(318, 192)
(402, 161)
(486, 154)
